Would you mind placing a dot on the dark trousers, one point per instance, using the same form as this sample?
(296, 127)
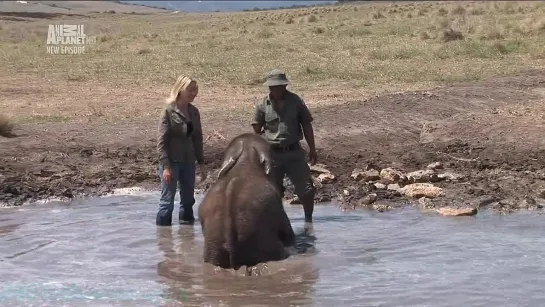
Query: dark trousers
(293, 164)
(184, 174)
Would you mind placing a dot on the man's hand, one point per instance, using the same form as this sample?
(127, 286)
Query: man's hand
(203, 171)
(309, 137)
(312, 156)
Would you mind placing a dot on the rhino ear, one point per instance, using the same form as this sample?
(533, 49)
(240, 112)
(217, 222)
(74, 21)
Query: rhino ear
(267, 167)
(266, 161)
(231, 158)
(226, 166)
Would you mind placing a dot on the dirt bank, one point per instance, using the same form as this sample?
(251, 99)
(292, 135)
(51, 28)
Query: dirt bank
(488, 137)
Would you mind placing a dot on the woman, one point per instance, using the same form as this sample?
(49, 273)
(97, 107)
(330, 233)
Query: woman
(180, 145)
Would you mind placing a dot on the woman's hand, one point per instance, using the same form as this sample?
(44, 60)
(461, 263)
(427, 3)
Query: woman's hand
(167, 177)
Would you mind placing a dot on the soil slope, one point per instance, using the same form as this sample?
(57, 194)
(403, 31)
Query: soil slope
(488, 135)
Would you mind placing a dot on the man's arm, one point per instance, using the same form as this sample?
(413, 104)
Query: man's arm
(306, 119)
(308, 131)
(259, 120)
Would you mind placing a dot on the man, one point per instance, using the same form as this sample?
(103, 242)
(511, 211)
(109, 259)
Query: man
(282, 117)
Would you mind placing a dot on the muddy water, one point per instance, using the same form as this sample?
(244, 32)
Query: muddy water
(108, 252)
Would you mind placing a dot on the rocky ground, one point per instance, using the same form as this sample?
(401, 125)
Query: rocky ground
(454, 149)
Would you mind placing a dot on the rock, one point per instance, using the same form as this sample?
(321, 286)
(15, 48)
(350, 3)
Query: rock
(368, 175)
(372, 166)
(451, 176)
(95, 182)
(394, 187)
(62, 175)
(142, 176)
(505, 205)
(67, 193)
(467, 211)
(357, 174)
(86, 152)
(540, 175)
(422, 176)
(384, 181)
(391, 175)
(528, 203)
(435, 165)
(381, 207)
(294, 201)
(11, 190)
(346, 193)
(425, 203)
(380, 186)
(483, 201)
(126, 171)
(326, 178)
(316, 182)
(541, 194)
(366, 189)
(368, 199)
(371, 174)
(319, 168)
(435, 178)
(417, 190)
(324, 199)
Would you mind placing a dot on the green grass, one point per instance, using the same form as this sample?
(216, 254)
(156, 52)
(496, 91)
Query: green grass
(344, 44)
(398, 46)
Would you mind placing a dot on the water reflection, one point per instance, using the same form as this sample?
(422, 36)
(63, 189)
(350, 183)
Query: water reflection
(7, 229)
(188, 281)
(179, 274)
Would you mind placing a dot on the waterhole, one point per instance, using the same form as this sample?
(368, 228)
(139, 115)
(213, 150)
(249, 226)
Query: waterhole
(108, 252)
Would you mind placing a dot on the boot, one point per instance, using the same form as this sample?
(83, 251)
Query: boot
(163, 218)
(186, 215)
(308, 207)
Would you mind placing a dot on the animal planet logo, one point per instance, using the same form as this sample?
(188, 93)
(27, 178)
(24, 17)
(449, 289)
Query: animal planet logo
(67, 39)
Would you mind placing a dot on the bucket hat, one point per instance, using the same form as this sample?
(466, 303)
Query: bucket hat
(276, 77)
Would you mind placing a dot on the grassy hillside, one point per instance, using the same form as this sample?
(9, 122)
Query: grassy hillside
(367, 47)
(228, 6)
(75, 7)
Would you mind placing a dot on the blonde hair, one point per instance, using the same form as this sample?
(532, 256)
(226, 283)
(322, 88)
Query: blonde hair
(179, 86)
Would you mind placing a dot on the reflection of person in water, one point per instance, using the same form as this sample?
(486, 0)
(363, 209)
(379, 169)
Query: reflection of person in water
(285, 283)
(176, 270)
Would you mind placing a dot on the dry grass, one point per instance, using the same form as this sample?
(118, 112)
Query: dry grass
(364, 48)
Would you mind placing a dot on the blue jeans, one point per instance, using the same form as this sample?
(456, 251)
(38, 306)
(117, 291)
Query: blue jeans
(184, 174)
